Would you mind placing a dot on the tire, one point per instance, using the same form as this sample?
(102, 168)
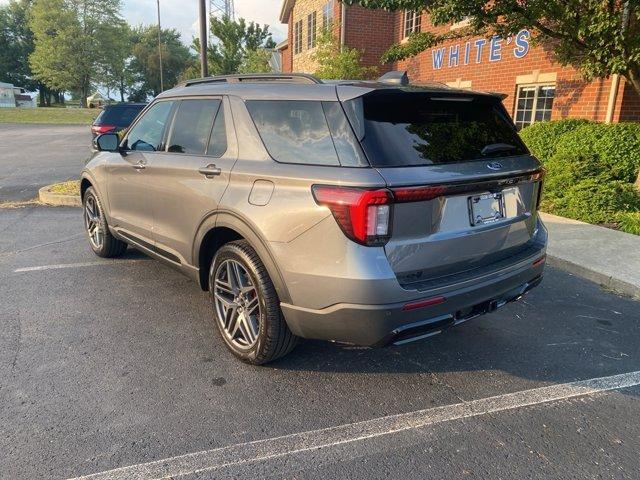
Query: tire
(259, 334)
(105, 245)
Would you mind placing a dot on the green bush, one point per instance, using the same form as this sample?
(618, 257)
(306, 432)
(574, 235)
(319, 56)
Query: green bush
(590, 169)
(542, 138)
(616, 147)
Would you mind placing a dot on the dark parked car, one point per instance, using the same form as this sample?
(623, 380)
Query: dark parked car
(361, 212)
(115, 118)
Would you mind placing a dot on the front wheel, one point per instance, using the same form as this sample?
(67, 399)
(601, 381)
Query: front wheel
(102, 242)
(246, 306)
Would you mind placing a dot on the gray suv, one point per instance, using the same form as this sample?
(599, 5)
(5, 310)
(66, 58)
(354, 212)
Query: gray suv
(367, 213)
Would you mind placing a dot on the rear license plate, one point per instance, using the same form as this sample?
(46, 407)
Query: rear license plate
(486, 208)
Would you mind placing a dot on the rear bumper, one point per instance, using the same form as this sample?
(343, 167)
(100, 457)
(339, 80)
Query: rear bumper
(377, 325)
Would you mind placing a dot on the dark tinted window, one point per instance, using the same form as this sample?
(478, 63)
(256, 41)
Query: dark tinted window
(297, 131)
(146, 135)
(192, 126)
(416, 128)
(218, 141)
(120, 115)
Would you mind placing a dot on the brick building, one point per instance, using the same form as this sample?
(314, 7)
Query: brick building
(536, 87)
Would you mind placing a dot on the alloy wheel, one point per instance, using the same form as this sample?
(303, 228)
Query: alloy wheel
(93, 223)
(237, 304)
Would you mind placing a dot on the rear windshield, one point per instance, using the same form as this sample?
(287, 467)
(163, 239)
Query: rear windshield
(120, 116)
(417, 128)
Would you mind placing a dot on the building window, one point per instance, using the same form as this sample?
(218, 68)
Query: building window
(412, 21)
(311, 30)
(534, 104)
(327, 14)
(297, 37)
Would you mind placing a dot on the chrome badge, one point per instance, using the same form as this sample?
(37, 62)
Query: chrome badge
(494, 166)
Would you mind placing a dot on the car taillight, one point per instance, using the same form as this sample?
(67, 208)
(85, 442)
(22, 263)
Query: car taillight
(100, 129)
(363, 215)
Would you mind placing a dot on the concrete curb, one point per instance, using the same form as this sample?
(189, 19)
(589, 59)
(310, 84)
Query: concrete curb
(56, 199)
(607, 257)
(606, 281)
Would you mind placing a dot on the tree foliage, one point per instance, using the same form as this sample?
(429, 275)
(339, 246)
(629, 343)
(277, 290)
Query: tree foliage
(238, 46)
(71, 41)
(598, 37)
(145, 61)
(16, 41)
(339, 63)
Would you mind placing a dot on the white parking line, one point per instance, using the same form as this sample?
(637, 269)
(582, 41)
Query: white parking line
(58, 266)
(260, 450)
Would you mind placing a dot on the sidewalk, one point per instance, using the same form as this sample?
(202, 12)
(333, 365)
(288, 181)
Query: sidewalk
(607, 257)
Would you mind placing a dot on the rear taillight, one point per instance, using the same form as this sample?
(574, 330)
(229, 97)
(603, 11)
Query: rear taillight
(100, 129)
(363, 215)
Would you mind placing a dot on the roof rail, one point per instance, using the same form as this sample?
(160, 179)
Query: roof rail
(255, 78)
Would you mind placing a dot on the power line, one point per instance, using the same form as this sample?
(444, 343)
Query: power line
(220, 8)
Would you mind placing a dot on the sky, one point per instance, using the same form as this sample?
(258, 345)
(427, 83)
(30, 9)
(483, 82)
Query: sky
(183, 14)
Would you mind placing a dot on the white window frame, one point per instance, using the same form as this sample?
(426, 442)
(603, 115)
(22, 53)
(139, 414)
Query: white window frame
(462, 23)
(327, 14)
(534, 108)
(297, 37)
(412, 22)
(312, 22)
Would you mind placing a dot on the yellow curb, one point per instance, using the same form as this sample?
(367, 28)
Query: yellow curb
(49, 198)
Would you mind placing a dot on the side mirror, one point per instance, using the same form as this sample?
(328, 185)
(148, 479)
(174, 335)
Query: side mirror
(108, 142)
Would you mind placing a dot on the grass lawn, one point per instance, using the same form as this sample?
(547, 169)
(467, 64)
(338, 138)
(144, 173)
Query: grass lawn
(72, 187)
(58, 116)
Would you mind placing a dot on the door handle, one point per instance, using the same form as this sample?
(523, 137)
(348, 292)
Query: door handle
(139, 166)
(210, 171)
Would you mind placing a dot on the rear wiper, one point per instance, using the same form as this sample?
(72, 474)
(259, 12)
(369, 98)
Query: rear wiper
(498, 147)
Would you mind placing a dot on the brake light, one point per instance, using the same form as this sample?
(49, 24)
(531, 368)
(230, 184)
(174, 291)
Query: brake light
(100, 129)
(418, 194)
(363, 215)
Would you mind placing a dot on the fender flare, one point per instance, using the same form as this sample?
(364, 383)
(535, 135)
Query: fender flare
(244, 228)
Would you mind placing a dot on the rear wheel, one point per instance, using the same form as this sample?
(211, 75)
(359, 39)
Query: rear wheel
(246, 306)
(102, 242)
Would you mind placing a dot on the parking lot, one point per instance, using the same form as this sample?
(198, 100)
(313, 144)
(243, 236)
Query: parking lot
(112, 364)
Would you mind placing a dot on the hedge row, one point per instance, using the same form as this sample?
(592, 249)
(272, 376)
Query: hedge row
(591, 170)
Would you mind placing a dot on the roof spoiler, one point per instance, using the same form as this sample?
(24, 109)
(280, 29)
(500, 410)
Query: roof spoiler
(395, 77)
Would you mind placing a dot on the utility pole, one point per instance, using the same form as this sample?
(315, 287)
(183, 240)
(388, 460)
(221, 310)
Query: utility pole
(204, 68)
(160, 49)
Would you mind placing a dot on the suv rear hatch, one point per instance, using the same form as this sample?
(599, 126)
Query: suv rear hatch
(465, 188)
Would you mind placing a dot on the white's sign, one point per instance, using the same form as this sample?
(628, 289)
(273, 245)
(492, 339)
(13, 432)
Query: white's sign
(475, 51)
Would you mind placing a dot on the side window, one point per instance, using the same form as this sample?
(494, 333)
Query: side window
(218, 140)
(192, 126)
(146, 135)
(294, 131)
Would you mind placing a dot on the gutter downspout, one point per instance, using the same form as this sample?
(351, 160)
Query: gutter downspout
(615, 80)
(343, 21)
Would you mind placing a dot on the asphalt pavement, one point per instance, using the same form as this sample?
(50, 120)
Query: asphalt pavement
(32, 156)
(111, 364)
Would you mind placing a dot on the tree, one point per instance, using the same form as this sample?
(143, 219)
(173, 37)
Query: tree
(256, 61)
(238, 46)
(598, 37)
(339, 63)
(72, 38)
(115, 73)
(145, 61)
(17, 43)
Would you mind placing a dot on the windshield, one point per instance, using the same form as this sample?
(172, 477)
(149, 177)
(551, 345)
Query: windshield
(398, 128)
(120, 116)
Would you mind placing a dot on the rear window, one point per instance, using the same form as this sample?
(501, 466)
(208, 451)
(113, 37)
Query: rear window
(120, 116)
(417, 128)
(306, 132)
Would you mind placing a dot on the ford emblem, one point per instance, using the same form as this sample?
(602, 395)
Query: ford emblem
(494, 166)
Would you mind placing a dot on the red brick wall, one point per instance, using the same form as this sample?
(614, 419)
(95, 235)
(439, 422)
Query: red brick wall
(372, 32)
(574, 96)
